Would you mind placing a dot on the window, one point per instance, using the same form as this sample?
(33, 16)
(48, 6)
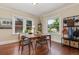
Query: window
(29, 26)
(21, 25)
(53, 25)
(18, 25)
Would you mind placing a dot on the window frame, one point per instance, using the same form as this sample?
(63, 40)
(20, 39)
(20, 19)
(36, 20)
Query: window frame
(60, 22)
(24, 23)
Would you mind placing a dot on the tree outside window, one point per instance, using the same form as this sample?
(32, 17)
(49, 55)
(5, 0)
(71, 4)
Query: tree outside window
(53, 25)
(29, 26)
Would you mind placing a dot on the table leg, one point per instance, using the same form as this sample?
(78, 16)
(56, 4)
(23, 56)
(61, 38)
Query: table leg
(34, 42)
(29, 48)
(50, 39)
(50, 42)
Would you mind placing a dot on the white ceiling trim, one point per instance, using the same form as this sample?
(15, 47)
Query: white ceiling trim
(37, 10)
(57, 10)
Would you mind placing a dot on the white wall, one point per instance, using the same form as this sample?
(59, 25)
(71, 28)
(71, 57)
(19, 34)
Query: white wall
(6, 34)
(66, 11)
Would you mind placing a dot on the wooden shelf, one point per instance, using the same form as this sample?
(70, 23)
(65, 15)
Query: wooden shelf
(72, 42)
(72, 26)
(70, 39)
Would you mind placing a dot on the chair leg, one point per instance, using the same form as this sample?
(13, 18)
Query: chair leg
(35, 47)
(22, 47)
(47, 46)
(19, 49)
(32, 47)
(29, 48)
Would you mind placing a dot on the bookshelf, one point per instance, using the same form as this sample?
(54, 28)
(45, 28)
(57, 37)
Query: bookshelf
(71, 31)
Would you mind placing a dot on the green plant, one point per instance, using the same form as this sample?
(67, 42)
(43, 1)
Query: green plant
(56, 24)
(26, 30)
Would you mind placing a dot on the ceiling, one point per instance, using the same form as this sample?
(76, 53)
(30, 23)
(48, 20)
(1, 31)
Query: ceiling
(38, 9)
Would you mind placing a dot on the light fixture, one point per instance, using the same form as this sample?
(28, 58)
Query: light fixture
(34, 3)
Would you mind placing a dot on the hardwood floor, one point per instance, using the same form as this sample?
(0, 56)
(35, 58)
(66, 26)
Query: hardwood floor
(56, 49)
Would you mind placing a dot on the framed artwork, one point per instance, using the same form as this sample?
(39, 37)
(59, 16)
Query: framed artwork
(5, 23)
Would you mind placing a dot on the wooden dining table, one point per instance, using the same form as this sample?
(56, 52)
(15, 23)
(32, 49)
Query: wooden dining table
(35, 37)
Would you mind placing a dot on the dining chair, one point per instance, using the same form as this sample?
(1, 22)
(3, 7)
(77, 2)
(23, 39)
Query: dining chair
(48, 38)
(24, 41)
(41, 41)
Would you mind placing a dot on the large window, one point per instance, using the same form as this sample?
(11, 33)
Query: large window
(22, 25)
(28, 26)
(18, 25)
(53, 25)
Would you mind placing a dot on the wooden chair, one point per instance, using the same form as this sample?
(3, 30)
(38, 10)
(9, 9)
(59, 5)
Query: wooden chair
(48, 37)
(24, 41)
(41, 41)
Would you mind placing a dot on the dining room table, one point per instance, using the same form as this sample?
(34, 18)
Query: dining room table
(34, 37)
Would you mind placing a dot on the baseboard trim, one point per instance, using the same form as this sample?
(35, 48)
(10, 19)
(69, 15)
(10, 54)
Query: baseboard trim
(56, 42)
(8, 42)
(15, 41)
